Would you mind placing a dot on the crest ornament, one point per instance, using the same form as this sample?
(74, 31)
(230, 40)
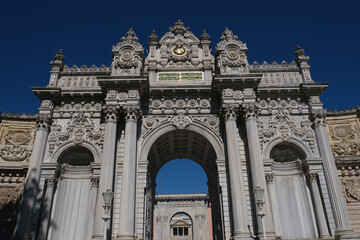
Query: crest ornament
(181, 122)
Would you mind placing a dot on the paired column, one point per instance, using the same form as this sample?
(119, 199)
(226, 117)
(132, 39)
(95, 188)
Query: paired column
(31, 190)
(107, 166)
(238, 200)
(318, 207)
(256, 163)
(45, 218)
(337, 200)
(128, 190)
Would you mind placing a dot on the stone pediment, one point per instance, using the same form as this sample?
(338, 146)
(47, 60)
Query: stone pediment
(179, 50)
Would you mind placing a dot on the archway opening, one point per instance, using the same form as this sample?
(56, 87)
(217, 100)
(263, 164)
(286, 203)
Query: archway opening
(183, 145)
(181, 175)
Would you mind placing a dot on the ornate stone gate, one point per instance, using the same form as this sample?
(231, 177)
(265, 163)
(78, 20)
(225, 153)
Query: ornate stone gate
(246, 125)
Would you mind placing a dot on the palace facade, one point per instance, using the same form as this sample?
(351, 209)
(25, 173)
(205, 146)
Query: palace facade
(114, 127)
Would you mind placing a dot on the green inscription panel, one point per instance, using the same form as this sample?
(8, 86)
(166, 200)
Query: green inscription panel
(180, 76)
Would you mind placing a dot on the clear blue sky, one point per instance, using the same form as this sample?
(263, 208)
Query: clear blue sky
(33, 31)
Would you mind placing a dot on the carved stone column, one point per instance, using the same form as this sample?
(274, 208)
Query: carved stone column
(337, 200)
(256, 164)
(31, 189)
(45, 218)
(318, 207)
(273, 202)
(238, 201)
(107, 166)
(94, 195)
(128, 189)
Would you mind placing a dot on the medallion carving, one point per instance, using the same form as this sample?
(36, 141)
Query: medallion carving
(352, 189)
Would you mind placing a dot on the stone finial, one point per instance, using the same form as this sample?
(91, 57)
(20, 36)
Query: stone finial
(299, 51)
(228, 35)
(204, 36)
(179, 28)
(153, 38)
(130, 36)
(60, 56)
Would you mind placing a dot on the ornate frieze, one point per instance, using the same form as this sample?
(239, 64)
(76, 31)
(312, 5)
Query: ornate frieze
(293, 106)
(285, 126)
(67, 109)
(185, 105)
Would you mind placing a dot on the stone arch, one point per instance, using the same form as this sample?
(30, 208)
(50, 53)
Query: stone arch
(162, 129)
(196, 142)
(85, 144)
(278, 140)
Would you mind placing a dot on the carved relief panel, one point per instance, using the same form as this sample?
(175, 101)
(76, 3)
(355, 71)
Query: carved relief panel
(344, 135)
(16, 140)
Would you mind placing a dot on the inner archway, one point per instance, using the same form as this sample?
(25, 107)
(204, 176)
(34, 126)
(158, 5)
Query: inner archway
(191, 145)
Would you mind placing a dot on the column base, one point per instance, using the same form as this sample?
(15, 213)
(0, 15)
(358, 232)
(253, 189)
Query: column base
(346, 234)
(125, 237)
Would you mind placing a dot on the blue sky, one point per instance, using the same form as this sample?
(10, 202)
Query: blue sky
(33, 31)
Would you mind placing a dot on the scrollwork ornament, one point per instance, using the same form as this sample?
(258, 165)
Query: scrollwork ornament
(50, 182)
(95, 182)
(230, 111)
(43, 121)
(352, 188)
(111, 113)
(313, 177)
(132, 112)
(318, 117)
(251, 111)
(269, 178)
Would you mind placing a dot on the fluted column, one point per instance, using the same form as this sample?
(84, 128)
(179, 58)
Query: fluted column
(337, 200)
(107, 166)
(238, 200)
(273, 202)
(128, 188)
(31, 190)
(256, 163)
(45, 218)
(318, 207)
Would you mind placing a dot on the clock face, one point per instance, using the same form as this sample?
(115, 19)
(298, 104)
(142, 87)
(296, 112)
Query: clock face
(179, 50)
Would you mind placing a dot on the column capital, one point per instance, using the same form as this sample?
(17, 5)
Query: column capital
(132, 112)
(95, 182)
(313, 177)
(43, 121)
(111, 112)
(318, 117)
(250, 110)
(230, 111)
(269, 178)
(50, 182)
